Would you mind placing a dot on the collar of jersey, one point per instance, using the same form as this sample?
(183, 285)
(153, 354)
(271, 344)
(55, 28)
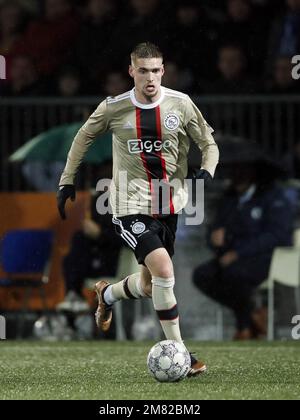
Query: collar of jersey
(147, 106)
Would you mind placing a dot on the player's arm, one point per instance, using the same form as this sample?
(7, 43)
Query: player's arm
(95, 125)
(201, 133)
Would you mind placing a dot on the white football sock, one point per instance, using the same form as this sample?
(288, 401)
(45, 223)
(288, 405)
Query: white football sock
(165, 304)
(108, 297)
(128, 288)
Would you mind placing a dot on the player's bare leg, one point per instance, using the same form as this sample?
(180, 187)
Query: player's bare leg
(160, 266)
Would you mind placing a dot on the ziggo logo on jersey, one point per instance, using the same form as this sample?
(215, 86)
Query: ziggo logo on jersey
(148, 146)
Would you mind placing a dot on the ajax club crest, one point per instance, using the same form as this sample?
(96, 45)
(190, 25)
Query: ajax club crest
(171, 121)
(138, 227)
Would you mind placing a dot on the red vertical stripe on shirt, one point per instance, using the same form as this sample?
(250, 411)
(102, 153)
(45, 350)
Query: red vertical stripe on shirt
(142, 154)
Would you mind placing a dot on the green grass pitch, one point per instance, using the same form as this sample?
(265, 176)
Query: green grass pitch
(106, 370)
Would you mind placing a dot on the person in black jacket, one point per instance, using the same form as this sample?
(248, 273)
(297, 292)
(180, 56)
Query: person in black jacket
(253, 218)
(93, 253)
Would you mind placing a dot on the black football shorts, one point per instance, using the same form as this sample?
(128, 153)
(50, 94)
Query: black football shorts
(144, 233)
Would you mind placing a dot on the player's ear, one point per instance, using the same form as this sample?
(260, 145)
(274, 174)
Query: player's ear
(162, 69)
(130, 70)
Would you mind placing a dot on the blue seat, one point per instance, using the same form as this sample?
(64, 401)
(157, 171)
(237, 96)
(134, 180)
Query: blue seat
(25, 256)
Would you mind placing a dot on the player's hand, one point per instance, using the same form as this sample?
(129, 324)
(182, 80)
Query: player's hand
(64, 192)
(218, 237)
(228, 258)
(91, 229)
(203, 174)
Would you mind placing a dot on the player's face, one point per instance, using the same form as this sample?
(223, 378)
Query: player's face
(147, 74)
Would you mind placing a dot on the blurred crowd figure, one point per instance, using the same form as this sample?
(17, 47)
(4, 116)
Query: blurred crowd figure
(254, 217)
(292, 162)
(59, 47)
(94, 252)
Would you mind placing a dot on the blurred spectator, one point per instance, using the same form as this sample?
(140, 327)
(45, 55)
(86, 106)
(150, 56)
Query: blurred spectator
(292, 161)
(11, 20)
(94, 252)
(116, 83)
(284, 37)
(143, 9)
(232, 68)
(282, 81)
(245, 27)
(69, 83)
(92, 52)
(177, 78)
(31, 6)
(254, 217)
(193, 43)
(289, 40)
(49, 39)
(24, 80)
(146, 20)
(190, 34)
(171, 78)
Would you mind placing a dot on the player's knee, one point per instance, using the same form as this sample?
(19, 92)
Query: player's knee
(164, 272)
(163, 269)
(159, 263)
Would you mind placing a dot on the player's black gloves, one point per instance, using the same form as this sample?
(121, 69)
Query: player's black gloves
(203, 174)
(64, 192)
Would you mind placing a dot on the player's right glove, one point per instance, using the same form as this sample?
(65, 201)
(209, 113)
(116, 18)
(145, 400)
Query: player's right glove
(64, 192)
(203, 174)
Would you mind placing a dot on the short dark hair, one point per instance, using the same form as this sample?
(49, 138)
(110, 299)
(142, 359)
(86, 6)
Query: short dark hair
(146, 50)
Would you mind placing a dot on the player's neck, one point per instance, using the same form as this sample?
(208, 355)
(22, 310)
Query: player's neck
(144, 99)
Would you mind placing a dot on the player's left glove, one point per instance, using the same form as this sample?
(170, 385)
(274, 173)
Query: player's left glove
(203, 174)
(64, 192)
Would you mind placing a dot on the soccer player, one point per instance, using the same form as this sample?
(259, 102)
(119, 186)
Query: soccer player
(151, 127)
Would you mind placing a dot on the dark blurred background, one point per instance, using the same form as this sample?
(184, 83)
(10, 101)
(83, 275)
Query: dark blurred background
(73, 48)
(64, 56)
(233, 57)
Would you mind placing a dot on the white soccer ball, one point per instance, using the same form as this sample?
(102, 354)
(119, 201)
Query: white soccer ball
(168, 361)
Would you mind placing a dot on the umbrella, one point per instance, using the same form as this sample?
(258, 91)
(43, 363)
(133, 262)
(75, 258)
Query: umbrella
(54, 145)
(236, 150)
